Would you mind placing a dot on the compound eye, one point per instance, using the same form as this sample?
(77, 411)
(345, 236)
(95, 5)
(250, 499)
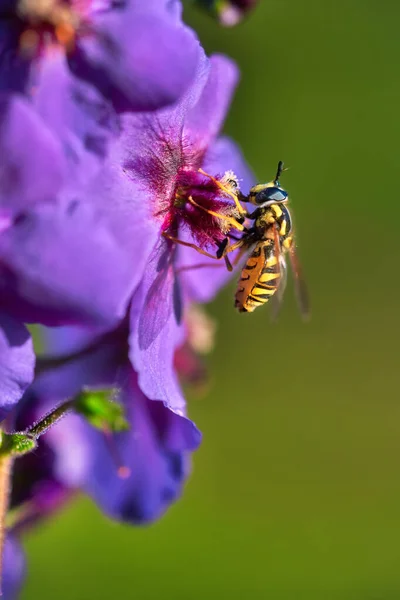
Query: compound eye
(271, 195)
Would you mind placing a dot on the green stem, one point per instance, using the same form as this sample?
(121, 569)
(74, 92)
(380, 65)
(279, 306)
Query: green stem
(50, 419)
(5, 480)
(22, 442)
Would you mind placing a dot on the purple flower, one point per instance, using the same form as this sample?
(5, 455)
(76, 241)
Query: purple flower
(17, 361)
(13, 569)
(86, 224)
(132, 51)
(134, 475)
(144, 188)
(181, 140)
(142, 191)
(153, 171)
(56, 140)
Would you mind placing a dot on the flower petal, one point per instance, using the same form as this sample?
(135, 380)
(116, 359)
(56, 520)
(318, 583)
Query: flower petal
(204, 121)
(156, 330)
(202, 284)
(13, 569)
(60, 265)
(135, 58)
(32, 166)
(17, 362)
(125, 205)
(155, 450)
(99, 359)
(81, 119)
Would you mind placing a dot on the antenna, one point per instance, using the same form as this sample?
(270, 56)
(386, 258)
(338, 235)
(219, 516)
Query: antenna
(278, 172)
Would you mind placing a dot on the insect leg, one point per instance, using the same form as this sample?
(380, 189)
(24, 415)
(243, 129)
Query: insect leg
(234, 223)
(240, 254)
(189, 245)
(222, 253)
(240, 208)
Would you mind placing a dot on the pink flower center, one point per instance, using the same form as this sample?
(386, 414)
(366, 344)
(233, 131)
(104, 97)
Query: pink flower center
(194, 198)
(183, 197)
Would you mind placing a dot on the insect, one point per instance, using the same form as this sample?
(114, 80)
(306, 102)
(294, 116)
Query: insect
(266, 242)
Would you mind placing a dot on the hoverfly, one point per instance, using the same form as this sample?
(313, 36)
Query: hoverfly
(267, 241)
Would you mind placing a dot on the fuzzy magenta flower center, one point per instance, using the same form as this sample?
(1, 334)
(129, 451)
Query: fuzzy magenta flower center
(183, 195)
(195, 197)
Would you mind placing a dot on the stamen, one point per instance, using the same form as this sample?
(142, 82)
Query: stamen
(221, 216)
(227, 190)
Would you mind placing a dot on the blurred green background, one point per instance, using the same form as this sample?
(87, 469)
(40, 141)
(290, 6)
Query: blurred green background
(296, 489)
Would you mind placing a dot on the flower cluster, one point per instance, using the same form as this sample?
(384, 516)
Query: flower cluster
(110, 121)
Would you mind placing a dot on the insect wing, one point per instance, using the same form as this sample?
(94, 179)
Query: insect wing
(277, 298)
(299, 283)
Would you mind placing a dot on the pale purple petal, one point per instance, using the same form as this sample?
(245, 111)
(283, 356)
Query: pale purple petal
(135, 58)
(17, 362)
(32, 166)
(125, 205)
(60, 265)
(80, 118)
(156, 330)
(204, 121)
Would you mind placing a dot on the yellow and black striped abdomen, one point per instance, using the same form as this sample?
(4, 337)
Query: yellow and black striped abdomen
(259, 279)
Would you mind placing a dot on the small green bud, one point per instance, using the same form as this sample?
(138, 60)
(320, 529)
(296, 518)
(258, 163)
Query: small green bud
(100, 411)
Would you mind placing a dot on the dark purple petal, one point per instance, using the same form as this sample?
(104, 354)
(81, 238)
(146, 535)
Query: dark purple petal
(13, 569)
(156, 330)
(135, 58)
(205, 119)
(60, 265)
(202, 284)
(17, 362)
(32, 166)
(14, 68)
(98, 360)
(155, 450)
